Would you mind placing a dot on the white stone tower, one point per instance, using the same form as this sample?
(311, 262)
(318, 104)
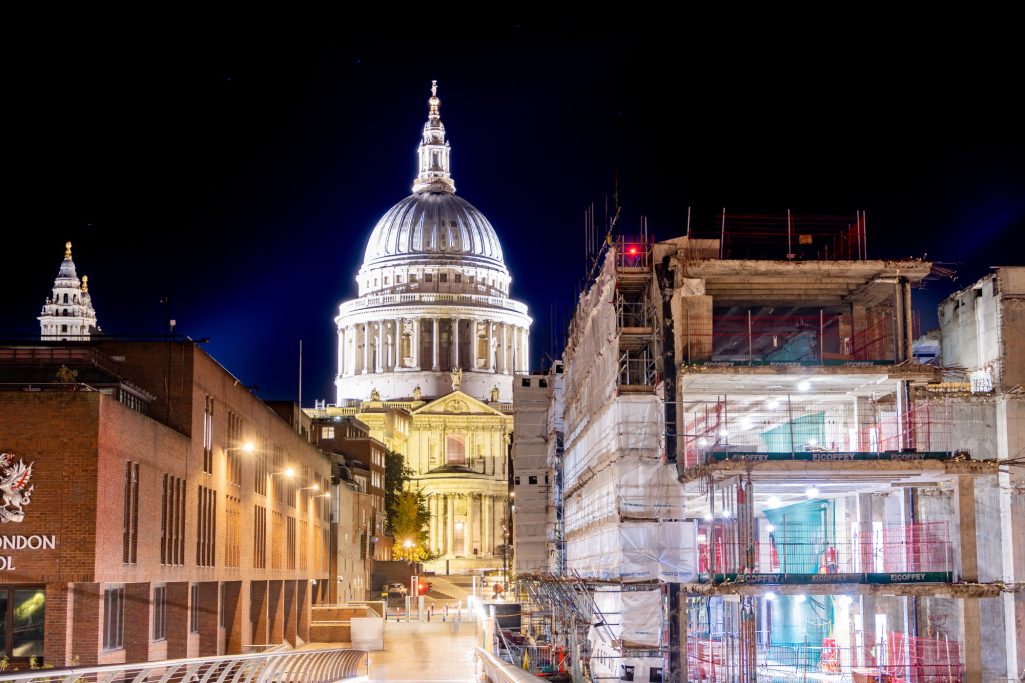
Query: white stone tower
(68, 314)
(433, 296)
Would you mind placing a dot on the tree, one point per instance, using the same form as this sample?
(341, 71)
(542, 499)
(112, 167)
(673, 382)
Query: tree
(396, 474)
(410, 526)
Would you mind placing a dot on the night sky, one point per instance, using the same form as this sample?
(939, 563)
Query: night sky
(240, 175)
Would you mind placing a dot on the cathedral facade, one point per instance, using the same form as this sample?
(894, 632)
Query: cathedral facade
(428, 352)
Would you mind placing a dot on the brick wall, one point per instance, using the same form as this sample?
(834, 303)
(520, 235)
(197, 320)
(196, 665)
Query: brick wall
(79, 442)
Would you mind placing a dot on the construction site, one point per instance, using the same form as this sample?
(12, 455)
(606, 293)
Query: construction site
(753, 477)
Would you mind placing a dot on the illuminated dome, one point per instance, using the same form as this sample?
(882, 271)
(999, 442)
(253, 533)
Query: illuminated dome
(434, 227)
(433, 300)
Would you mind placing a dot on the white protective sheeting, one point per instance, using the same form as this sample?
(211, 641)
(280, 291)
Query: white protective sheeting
(631, 487)
(633, 617)
(635, 551)
(626, 425)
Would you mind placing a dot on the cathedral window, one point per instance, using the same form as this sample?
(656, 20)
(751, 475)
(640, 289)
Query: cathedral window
(65, 297)
(64, 328)
(455, 449)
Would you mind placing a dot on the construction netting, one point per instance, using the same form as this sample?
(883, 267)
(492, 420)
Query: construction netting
(630, 618)
(628, 425)
(635, 551)
(592, 353)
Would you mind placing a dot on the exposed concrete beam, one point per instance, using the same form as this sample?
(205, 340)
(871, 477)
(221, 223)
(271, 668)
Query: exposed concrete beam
(970, 591)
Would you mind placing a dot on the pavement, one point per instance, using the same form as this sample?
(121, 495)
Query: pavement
(428, 651)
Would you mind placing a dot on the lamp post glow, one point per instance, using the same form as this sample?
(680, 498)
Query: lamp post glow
(248, 448)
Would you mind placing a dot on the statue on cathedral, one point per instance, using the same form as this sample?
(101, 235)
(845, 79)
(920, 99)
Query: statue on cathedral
(494, 394)
(457, 378)
(417, 393)
(375, 395)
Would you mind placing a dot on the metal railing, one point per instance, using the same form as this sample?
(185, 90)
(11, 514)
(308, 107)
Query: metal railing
(491, 669)
(372, 301)
(305, 666)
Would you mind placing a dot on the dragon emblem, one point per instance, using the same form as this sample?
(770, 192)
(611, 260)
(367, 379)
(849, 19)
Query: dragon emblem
(14, 487)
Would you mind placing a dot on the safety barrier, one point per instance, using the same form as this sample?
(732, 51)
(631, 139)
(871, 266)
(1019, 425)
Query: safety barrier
(491, 669)
(302, 666)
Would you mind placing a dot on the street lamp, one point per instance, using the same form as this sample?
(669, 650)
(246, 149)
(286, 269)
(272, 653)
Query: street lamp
(314, 487)
(289, 472)
(248, 447)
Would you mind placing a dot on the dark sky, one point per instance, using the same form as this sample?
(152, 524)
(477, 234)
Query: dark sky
(240, 174)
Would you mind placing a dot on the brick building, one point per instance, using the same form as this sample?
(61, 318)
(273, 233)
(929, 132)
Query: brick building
(153, 507)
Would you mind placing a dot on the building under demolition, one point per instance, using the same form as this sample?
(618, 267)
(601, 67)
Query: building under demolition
(756, 480)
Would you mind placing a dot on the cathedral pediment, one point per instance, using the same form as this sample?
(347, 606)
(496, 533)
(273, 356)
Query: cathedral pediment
(457, 403)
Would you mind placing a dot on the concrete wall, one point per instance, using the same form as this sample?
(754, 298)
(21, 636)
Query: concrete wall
(531, 477)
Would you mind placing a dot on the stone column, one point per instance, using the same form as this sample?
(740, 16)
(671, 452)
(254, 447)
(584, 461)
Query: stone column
(434, 344)
(341, 351)
(379, 360)
(398, 342)
(432, 505)
(366, 347)
(450, 525)
(485, 537)
(505, 349)
(455, 342)
(491, 346)
(526, 351)
(468, 527)
(415, 343)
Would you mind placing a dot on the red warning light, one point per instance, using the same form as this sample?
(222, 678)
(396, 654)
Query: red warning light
(632, 250)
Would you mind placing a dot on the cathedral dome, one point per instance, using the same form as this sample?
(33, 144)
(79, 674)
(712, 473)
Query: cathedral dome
(436, 228)
(433, 296)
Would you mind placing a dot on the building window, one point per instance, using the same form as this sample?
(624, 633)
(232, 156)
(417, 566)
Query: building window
(64, 328)
(131, 513)
(206, 527)
(412, 278)
(455, 449)
(304, 531)
(208, 436)
(233, 452)
(277, 545)
(327, 433)
(398, 279)
(160, 613)
(194, 609)
(516, 481)
(172, 521)
(459, 278)
(233, 531)
(290, 542)
(532, 479)
(428, 277)
(444, 277)
(22, 620)
(114, 618)
(259, 537)
(261, 470)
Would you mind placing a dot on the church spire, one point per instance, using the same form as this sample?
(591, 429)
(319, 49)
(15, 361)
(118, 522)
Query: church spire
(434, 173)
(68, 313)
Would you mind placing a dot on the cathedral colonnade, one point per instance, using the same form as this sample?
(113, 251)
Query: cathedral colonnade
(475, 343)
(469, 525)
